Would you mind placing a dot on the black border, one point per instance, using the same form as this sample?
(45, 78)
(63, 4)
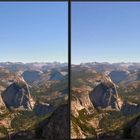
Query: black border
(105, 1)
(69, 65)
(33, 0)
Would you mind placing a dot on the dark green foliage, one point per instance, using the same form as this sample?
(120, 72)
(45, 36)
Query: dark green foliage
(26, 120)
(3, 130)
(84, 127)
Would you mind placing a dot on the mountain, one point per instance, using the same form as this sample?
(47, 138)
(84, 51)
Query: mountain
(105, 66)
(18, 95)
(19, 66)
(31, 76)
(118, 76)
(56, 75)
(105, 95)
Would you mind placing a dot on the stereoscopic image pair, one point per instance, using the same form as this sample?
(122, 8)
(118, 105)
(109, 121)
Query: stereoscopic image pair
(69, 70)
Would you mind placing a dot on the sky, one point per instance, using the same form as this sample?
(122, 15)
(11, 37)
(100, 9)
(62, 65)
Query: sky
(105, 32)
(33, 31)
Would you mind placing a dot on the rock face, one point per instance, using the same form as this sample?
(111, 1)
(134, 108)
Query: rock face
(105, 95)
(18, 95)
(56, 126)
(81, 101)
(2, 106)
(80, 105)
(75, 106)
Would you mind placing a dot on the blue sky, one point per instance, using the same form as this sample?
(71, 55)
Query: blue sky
(105, 32)
(33, 31)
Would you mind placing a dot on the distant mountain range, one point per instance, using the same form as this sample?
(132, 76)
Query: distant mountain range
(32, 66)
(105, 66)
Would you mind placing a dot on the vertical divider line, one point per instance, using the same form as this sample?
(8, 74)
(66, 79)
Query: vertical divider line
(69, 63)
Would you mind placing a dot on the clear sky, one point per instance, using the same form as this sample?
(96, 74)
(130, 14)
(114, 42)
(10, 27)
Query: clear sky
(33, 31)
(105, 32)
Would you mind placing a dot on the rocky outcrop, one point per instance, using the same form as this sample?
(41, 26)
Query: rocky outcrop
(75, 106)
(2, 106)
(56, 126)
(76, 132)
(105, 95)
(80, 100)
(18, 95)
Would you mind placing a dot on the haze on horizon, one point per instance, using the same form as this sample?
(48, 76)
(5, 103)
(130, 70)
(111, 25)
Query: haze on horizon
(105, 32)
(33, 32)
(125, 62)
(31, 62)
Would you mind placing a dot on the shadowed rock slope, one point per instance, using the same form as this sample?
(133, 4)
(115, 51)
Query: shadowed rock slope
(105, 95)
(18, 95)
(56, 126)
